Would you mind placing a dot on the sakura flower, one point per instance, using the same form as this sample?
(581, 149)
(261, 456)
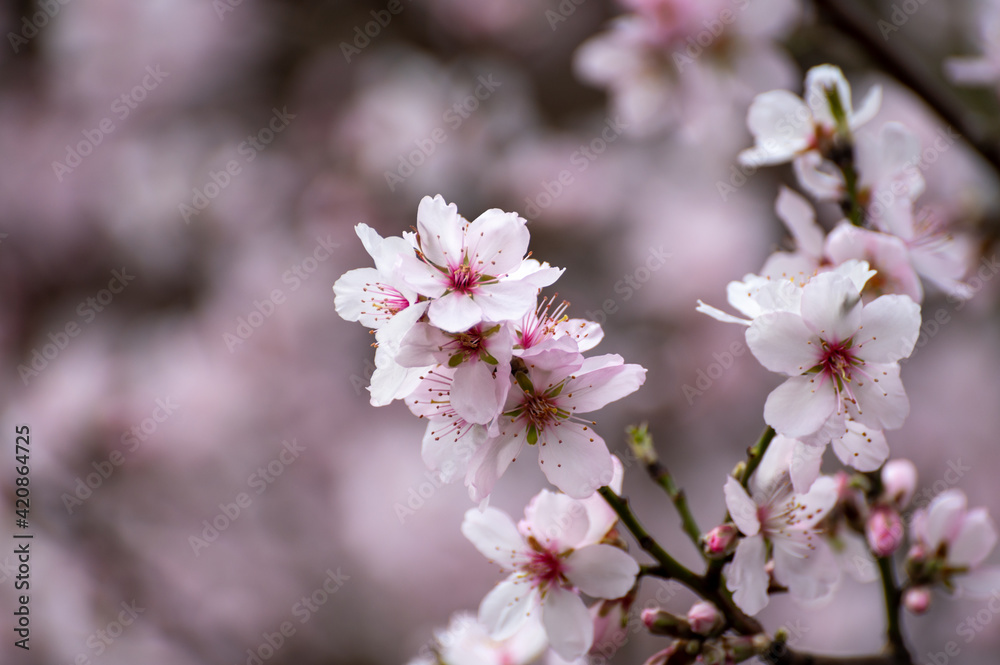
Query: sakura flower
(372, 296)
(546, 322)
(949, 544)
(467, 642)
(786, 128)
(543, 409)
(481, 359)
(550, 562)
(465, 267)
(776, 518)
(841, 357)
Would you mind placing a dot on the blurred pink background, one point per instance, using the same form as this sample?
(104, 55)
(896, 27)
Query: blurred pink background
(178, 190)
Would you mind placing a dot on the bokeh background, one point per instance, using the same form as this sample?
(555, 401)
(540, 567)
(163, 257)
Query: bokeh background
(178, 188)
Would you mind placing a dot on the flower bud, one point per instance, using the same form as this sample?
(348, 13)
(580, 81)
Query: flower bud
(661, 622)
(720, 541)
(899, 481)
(675, 654)
(884, 530)
(704, 618)
(917, 599)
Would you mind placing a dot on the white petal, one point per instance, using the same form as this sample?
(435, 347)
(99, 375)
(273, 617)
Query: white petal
(800, 406)
(474, 394)
(557, 521)
(881, 399)
(747, 577)
(890, 326)
(867, 109)
(495, 535)
(567, 623)
(719, 315)
(781, 125)
(809, 578)
(602, 571)
(507, 300)
(574, 459)
(831, 307)
(804, 468)
(741, 507)
(974, 540)
(855, 557)
(861, 447)
(800, 218)
(819, 80)
(601, 516)
(821, 178)
(448, 450)
(508, 607)
(492, 459)
(818, 501)
(354, 295)
(496, 242)
(980, 583)
(594, 390)
(782, 342)
(944, 517)
(454, 312)
(441, 231)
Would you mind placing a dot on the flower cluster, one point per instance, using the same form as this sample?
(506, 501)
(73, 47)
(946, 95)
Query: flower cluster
(463, 339)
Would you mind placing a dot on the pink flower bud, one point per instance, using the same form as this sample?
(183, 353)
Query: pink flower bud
(884, 530)
(899, 481)
(704, 618)
(721, 540)
(917, 599)
(661, 622)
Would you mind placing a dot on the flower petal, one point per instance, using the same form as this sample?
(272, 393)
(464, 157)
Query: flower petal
(492, 459)
(783, 343)
(574, 458)
(811, 577)
(800, 218)
(454, 312)
(506, 301)
(800, 405)
(441, 231)
(567, 623)
(741, 507)
(890, 326)
(781, 125)
(497, 242)
(861, 447)
(944, 517)
(508, 607)
(555, 520)
(602, 571)
(747, 577)
(974, 540)
(881, 399)
(495, 535)
(831, 307)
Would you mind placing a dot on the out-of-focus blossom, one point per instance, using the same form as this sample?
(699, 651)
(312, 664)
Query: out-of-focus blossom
(467, 642)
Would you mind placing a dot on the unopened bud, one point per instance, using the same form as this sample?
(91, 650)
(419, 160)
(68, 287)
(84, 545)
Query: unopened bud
(720, 541)
(899, 481)
(675, 654)
(704, 618)
(641, 443)
(747, 646)
(661, 622)
(884, 530)
(917, 599)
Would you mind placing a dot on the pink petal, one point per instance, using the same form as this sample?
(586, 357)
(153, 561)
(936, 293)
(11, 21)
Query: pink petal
(811, 577)
(741, 507)
(354, 295)
(602, 571)
(602, 517)
(555, 520)
(974, 540)
(781, 125)
(574, 458)
(454, 312)
(781, 342)
(890, 326)
(590, 391)
(881, 400)
(492, 459)
(861, 447)
(800, 218)
(818, 501)
(507, 300)
(747, 578)
(474, 394)
(805, 465)
(800, 405)
(495, 535)
(944, 517)
(567, 623)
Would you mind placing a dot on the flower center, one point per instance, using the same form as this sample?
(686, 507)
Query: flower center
(463, 279)
(544, 567)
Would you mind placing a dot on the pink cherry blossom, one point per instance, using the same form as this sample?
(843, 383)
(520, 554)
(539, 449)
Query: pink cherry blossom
(372, 296)
(467, 642)
(550, 561)
(465, 267)
(543, 408)
(841, 357)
